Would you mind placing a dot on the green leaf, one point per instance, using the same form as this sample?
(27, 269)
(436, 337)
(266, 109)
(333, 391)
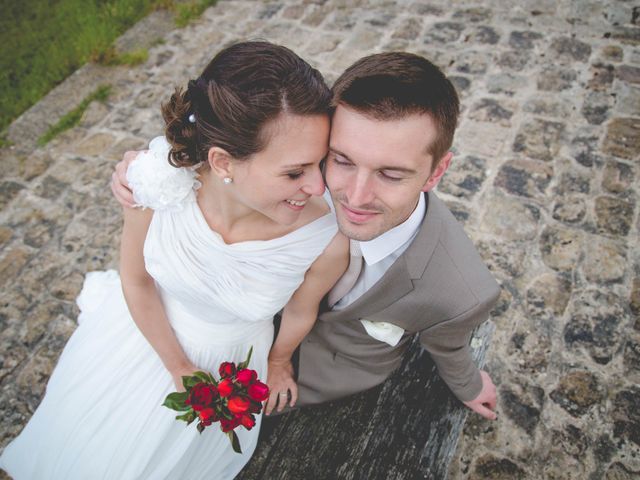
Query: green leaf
(189, 381)
(235, 443)
(187, 417)
(175, 401)
(202, 377)
(200, 427)
(226, 414)
(245, 364)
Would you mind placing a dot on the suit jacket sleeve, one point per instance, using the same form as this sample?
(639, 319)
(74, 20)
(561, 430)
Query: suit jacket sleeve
(448, 344)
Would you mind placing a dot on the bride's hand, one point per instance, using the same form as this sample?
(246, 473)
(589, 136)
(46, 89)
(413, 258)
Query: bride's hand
(184, 371)
(281, 384)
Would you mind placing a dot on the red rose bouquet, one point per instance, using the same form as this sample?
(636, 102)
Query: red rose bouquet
(233, 400)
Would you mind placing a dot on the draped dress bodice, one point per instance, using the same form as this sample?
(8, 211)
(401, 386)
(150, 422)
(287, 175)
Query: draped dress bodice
(226, 291)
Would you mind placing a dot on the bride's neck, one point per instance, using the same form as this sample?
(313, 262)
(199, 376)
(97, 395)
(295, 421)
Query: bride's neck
(221, 208)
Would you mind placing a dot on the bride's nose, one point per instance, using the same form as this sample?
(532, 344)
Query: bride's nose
(314, 184)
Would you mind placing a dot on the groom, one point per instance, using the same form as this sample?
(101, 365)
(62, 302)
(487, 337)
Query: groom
(413, 270)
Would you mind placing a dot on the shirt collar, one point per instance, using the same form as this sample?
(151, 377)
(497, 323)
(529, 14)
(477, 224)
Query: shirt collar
(384, 245)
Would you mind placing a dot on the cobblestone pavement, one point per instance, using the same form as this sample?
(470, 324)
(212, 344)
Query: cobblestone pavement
(544, 180)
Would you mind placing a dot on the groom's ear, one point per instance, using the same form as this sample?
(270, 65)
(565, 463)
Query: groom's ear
(438, 172)
(220, 162)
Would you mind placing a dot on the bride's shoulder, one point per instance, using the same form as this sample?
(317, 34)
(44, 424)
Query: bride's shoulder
(158, 185)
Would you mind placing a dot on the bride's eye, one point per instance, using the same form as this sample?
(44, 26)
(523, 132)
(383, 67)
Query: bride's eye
(294, 175)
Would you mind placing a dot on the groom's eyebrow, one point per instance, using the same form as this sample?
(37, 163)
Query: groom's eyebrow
(335, 150)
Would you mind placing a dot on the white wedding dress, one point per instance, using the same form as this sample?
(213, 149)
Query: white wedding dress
(102, 415)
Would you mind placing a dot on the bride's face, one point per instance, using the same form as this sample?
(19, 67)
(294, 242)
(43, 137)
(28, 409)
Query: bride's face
(279, 180)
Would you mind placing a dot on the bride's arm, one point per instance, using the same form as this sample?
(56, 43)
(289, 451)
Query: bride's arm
(143, 299)
(299, 315)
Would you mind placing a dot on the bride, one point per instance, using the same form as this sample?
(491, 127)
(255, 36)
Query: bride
(202, 272)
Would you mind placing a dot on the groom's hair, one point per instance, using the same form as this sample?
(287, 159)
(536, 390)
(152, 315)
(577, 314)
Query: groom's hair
(392, 85)
(243, 89)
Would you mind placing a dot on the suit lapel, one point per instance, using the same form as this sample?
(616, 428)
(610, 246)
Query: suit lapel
(421, 249)
(393, 285)
(397, 281)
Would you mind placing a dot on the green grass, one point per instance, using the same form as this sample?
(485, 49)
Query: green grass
(73, 117)
(4, 142)
(44, 41)
(188, 11)
(111, 57)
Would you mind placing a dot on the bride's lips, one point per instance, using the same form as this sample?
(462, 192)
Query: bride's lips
(296, 205)
(357, 216)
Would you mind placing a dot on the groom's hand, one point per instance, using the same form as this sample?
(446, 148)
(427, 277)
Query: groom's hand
(485, 402)
(119, 185)
(281, 386)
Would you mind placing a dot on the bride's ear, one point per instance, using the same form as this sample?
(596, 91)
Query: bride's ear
(220, 162)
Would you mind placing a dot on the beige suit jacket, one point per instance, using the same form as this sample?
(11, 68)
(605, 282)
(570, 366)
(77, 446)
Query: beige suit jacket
(439, 289)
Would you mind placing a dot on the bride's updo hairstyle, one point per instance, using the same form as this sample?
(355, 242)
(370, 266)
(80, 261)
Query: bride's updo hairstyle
(243, 88)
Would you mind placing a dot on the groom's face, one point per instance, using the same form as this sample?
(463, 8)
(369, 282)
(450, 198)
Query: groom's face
(377, 169)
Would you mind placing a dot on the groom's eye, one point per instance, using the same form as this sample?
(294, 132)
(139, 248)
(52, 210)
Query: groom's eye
(341, 161)
(390, 176)
(294, 175)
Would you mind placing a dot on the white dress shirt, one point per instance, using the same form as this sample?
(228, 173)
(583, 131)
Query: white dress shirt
(380, 253)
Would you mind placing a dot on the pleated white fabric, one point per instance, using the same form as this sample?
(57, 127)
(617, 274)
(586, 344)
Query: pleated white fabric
(101, 417)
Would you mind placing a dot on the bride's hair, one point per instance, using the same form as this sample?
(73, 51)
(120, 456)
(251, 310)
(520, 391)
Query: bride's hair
(244, 87)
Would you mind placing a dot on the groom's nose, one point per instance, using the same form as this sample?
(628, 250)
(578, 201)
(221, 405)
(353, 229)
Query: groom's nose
(358, 189)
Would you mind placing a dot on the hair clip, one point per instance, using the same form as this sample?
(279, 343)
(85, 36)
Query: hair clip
(192, 118)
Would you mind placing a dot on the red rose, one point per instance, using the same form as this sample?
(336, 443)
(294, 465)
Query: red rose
(227, 369)
(246, 376)
(248, 421)
(238, 405)
(258, 391)
(201, 396)
(228, 425)
(208, 416)
(225, 387)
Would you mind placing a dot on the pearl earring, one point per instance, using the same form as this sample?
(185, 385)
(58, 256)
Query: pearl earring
(227, 180)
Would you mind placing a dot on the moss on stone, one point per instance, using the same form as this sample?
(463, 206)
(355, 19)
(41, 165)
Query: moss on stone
(73, 117)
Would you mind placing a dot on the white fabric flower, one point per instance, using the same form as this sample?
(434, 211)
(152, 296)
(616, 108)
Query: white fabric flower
(158, 185)
(384, 331)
